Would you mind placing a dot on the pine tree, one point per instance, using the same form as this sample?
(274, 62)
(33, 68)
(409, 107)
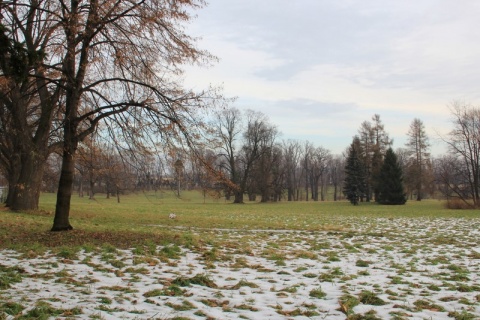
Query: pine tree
(390, 184)
(354, 185)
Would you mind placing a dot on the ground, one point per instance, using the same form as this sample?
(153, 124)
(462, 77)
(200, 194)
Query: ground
(377, 268)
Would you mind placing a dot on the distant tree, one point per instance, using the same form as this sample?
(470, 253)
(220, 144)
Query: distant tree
(365, 135)
(308, 150)
(354, 184)
(278, 173)
(374, 141)
(228, 126)
(390, 183)
(320, 158)
(336, 174)
(292, 157)
(417, 147)
(243, 142)
(464, 143)
(257, 141)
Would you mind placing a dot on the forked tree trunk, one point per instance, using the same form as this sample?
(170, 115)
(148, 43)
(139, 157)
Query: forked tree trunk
(61, 221)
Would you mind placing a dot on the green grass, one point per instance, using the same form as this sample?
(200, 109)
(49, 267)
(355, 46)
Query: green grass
(142, 218)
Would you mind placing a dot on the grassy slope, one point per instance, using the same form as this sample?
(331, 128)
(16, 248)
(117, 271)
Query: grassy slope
(143, 217)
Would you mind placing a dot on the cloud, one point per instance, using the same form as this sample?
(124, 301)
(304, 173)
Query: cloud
(320, 68)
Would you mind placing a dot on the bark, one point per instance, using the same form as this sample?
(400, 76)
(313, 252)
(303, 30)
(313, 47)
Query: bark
(91, 182)
(238, 197)
(61, 221)
(27, 188)
(290, 194)
(12, 176)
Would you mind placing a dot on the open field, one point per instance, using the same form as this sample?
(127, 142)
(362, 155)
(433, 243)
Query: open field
(254, 261)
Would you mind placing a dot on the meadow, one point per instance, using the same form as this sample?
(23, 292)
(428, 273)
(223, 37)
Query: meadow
(217, 260)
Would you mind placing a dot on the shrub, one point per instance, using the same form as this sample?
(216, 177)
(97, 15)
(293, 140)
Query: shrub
(457, 204)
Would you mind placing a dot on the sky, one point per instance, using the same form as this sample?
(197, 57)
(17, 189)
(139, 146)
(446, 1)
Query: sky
(320, 68)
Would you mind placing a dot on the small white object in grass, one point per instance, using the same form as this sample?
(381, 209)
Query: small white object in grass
(172, 216)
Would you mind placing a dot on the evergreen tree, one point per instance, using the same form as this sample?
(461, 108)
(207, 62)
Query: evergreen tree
(390, 184)
(354, 185)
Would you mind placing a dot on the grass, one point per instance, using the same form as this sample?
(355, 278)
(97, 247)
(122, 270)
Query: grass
(143, 217)
(137, 245)
(9, 275)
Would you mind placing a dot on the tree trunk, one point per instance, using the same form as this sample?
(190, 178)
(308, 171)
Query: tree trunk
(238, 197)
(65, 187)
(13, 174)
(80, 187)
(91, 183)
(26, 193)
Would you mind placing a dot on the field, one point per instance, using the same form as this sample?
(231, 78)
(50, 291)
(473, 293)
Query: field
(217, 260)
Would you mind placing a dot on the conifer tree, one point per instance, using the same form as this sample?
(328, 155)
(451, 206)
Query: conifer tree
(390, 184)
(354, 185)
(419, 157)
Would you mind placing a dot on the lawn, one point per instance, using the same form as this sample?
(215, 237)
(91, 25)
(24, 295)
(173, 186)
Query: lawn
(216, 260)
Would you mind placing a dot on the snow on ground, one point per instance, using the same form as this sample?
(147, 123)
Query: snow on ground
(379, 269)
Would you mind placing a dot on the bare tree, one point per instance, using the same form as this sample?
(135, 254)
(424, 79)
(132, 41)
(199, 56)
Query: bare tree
(98, 60)
(267, 168)
(228, 129)
(278, 173)
(292, 152)
(451, 178)
(118, 61)
(320, 159)
(464, 143)
(244, 141)
(308, 150)
(336, 174)
(257, 138)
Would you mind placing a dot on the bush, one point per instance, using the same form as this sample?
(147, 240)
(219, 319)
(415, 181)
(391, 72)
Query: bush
(457, 204)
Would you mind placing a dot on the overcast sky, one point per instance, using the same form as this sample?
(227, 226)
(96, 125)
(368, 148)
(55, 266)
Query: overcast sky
(320, 68)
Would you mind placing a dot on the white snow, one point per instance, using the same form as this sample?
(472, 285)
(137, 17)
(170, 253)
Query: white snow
(407, 262)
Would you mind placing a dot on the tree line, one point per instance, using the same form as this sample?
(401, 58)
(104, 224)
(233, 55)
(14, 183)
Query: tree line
(245, 157)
